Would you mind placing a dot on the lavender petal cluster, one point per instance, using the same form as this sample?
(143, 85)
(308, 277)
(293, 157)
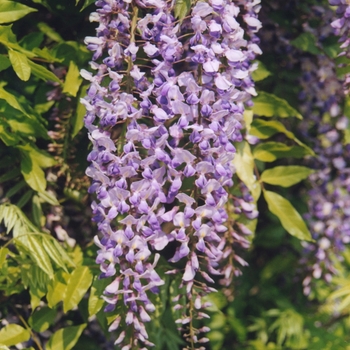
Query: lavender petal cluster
(164, 106)
(341, 27)
(321, 100)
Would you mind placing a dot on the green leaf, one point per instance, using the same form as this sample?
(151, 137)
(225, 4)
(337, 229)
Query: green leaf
(32, 245)
(16, 188)
(306, 42)
(269, 105)
(4, 62)
(46, 54)
(15, 220)
(65, 338)
(11, 100)
(285, 176)
(8, 137)
(50, 32)
(73, 80)
(32, 173)
(20, 64)
(290, 219)
(3, 254)
(264, 129)
(182, 7)
(86, 4)
(56, 289)
(78, 284)
(77, 120)
(95, 301)
(37, 212)
(270, 151)
(53, 252)
(42, 158)
(13, 334)
(48, 198)
(42, 73)
(42, 319)
(244, 164)
(32, 40)
(11, 11)
(25, 199)
(261, 73)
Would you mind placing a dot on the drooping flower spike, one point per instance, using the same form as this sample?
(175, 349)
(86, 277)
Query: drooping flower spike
(164, 106)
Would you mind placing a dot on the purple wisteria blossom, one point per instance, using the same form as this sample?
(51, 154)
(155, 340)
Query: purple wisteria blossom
(341, 27)
(164, 107)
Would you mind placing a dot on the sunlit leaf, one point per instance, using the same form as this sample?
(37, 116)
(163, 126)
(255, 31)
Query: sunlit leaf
(50, 32)
(41, 319)
(306, 42)
(261, 73)
(79, 282)
(95, 301)
(182, 8)
(32, 245)
(270, 151)
(56, 289)
(65, 338)
(290, 219)
(73, 80)
(20, 64)
(4, 62)
(11, 11)
(77, 120)
(32, 173)
(244, 164)
(53, 252)
(285, 176)
(42, 73)
(13, 334)
(269, 105)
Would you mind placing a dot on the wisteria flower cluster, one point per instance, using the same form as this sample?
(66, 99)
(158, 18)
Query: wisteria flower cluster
(164, 107)
(329, 199)
(321, 101)
(341, 27)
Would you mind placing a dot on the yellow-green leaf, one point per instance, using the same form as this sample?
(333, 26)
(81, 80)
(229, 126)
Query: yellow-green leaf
(77, 120)
(182, 7)
(285, 176)
(306, 42)
(11, 11)
(261, 72)
(53, 252)
(57, 288)
(13, 334)
(73, 80)
(42, 73)
(20, 64)
(32, 173)
(31, 244)
(65, 338)
(41, 319)
(270, 151)
(78, 284)
(290, 219)
(95, 301)
(244, 164)
(269, 105)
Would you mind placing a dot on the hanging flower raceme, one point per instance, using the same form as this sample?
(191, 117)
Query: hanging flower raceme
(165, 104)
(341, 27)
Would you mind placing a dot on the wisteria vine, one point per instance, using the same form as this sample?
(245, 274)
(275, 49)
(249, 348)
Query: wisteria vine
(164, 106)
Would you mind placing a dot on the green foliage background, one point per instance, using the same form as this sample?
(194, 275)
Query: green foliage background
(49, 286)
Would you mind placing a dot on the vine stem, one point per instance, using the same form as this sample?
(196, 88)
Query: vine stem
(34, 337)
